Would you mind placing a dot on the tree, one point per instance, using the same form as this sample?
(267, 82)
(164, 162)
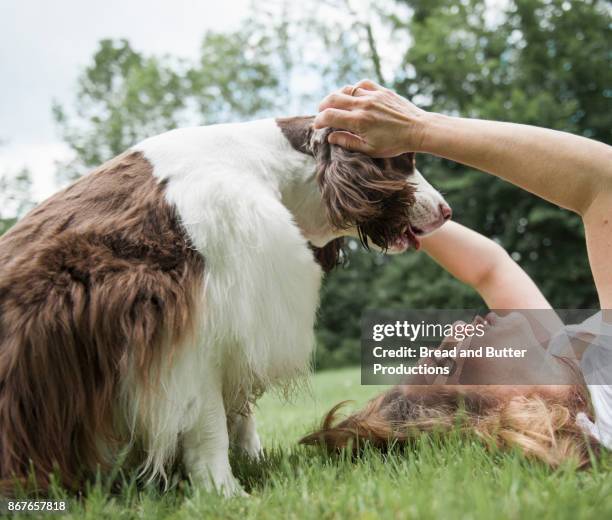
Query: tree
(15, 197)
(125, 96)
(542, 62)
(121, 98)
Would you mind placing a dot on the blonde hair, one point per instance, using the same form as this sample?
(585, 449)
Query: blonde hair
(542, 425)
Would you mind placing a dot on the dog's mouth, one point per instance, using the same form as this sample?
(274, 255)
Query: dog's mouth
(409, 237)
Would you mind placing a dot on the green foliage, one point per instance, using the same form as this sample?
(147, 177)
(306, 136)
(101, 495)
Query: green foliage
(235, 77)
(15, 198)
(542, 62)
(124, 96)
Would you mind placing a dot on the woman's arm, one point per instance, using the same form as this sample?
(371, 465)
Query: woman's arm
(565, 169)
(484, 265)
(571, 171)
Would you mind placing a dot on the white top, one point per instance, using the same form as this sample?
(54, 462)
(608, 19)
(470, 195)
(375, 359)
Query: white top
(596, 366)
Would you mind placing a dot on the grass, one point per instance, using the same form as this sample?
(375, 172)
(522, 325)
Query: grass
(438, 478)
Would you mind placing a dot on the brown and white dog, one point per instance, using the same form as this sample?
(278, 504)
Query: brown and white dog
(144, 307)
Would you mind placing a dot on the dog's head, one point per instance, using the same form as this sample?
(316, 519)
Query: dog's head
(386, 203)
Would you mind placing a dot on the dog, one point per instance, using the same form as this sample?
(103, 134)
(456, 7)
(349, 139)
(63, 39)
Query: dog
(144, 308)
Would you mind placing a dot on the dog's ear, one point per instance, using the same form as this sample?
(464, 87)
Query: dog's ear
(403, 163)
(330, 255)
(350, 182)
(357, 190)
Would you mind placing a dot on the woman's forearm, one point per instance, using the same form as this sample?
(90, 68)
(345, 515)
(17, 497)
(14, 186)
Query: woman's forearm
(484, 265)
(568, 170)
(565, 169)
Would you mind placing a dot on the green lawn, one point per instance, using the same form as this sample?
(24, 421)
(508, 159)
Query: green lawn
(449, 479)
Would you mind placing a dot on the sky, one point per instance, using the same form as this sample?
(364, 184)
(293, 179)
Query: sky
(45, 44)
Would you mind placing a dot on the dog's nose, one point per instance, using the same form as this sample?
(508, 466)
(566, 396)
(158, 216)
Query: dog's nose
(446, 211)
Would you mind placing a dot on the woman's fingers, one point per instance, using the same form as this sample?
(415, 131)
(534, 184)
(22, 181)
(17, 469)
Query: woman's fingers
(452, 341)
(339, 100)
(347, 97)
(368, 85)
(479, 320)
(384, 124)
(336, 118)
(348, 141)
(354, 91)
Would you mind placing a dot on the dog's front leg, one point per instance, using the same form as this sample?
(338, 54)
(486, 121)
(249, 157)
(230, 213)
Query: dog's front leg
(243, 434)
(206, 447)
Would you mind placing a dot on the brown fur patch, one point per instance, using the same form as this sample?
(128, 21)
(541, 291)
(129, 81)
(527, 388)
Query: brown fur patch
(99, 279)
(372, 195)
(297, 130)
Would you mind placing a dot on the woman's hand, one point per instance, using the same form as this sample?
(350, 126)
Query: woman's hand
(373, 120)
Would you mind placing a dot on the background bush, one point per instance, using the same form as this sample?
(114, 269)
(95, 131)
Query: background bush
(543, 62)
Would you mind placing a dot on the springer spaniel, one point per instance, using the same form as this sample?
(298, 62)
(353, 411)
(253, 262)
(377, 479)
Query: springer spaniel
(146, 306)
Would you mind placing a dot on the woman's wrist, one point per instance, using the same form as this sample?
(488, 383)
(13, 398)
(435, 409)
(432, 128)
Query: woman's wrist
(433, 129)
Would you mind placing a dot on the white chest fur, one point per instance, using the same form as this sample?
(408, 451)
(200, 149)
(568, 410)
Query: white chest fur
(261, 282)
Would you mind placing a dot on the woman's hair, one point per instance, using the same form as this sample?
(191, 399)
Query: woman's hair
(541, 425)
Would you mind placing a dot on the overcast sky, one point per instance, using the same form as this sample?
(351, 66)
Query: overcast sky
(45, 44)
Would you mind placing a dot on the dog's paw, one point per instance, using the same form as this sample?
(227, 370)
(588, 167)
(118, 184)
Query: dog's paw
(251, 445)
(245, 437)
(224, 484)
